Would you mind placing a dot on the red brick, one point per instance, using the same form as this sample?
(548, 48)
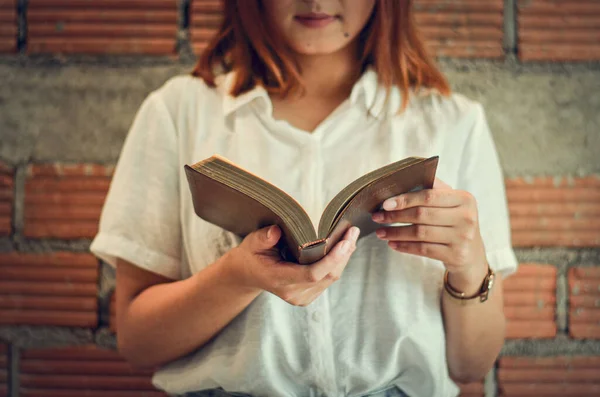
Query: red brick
(58, 169)
(559, 30)
(584, 302)
(565, 362)
(83, 199)
(107, 4)
(6, 196)
(462, 29)
(537, 299)
(555, 223)
(64, 230)
(559, 22)
(531, 389)
(539, 238)
(49, 289)
(94, 382)
(474, 389)
(553, 194)
(48, 274)
(458, 19)
(115, 31)
(530, 329)
(81, 370)
(577, 7)
(205, 18)
(585, 272)
(47, 303)
(40, 11)
(588, 181)
(63, 318)
(87, 393)
(70, 259)
(554, 209)
(83, 184)
(557, 52)
(547, 212)
(548, 376)
(94, 46)
(529, 303)
(73, 353)
(65, 200)
(8, 26)
(63, 213)
(101, 27)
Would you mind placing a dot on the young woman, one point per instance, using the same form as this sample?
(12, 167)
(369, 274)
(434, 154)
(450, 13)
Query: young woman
(310, 95)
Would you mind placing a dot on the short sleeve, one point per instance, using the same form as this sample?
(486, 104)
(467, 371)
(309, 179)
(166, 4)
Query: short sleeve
(481, 174)
(140, 220)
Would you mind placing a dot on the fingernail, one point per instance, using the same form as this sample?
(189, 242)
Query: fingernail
(269, 232)
(380, 233)
(344, 246)
(378, 217)
(389, 204)
(354, 233)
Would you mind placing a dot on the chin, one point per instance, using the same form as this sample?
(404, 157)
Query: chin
(313, 48)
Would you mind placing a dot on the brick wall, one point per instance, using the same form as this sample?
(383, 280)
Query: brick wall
(57, 301)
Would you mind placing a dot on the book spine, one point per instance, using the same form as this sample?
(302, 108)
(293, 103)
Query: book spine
(312, 252)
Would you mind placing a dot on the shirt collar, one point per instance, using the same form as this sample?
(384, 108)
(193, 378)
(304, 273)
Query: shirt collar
(231, 103)
(367, 93)
(370, 94)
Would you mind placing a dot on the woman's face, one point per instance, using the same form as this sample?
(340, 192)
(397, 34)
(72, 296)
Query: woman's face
(318, 27)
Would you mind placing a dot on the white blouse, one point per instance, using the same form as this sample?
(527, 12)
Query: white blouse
(381, 324)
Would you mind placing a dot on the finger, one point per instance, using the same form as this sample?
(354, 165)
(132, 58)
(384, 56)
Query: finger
(291, 273)
(263, 239)
(439, 184)
(331, 265)
(437, 216)
(429, 250)
(427, 198)
(418, 233)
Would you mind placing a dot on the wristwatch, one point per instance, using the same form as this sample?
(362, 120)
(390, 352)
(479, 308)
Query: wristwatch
(480, 296)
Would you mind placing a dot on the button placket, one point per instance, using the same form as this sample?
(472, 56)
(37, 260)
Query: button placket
(319, 324)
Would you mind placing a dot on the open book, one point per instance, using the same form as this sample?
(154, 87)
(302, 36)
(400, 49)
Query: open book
(238, 201)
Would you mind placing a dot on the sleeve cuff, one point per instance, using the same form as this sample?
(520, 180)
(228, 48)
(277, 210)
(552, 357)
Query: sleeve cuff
(503, 261)
(110, 247)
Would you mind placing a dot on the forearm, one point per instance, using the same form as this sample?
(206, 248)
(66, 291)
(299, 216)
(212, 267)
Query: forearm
(474, 332)
(167, 321)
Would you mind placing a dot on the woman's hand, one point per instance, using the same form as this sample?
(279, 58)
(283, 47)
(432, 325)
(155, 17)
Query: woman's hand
(444, 227)
(256, 264)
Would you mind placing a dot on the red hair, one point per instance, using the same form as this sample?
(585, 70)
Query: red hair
(389, 42)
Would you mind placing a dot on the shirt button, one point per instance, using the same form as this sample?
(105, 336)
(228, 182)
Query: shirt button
(316, 317)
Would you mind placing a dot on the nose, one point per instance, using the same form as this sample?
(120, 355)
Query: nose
(314, 5)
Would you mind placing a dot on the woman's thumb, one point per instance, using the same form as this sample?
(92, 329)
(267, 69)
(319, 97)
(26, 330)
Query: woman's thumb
(266, 237)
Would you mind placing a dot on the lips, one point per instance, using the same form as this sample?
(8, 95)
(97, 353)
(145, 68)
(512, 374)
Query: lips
(314, 20)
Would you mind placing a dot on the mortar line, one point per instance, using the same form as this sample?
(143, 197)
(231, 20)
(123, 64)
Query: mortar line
(490, 386)
(510, 26)
(13, 368)
(21, 25)
(562, 301)
(19, 200)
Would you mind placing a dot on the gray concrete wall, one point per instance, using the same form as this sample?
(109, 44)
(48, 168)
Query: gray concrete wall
(545, 119)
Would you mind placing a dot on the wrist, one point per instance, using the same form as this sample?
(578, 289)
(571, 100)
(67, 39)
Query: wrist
(469, 281)
(230, 274)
